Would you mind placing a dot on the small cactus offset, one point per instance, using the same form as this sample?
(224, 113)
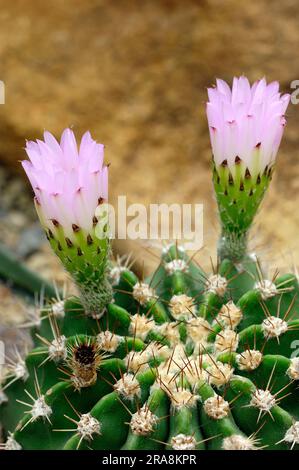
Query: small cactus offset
(183, 360)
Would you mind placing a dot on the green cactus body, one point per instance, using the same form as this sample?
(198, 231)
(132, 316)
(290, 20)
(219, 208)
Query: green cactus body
(182, 361)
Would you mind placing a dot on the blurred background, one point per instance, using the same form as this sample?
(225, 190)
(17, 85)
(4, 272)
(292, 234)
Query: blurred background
(135, 74)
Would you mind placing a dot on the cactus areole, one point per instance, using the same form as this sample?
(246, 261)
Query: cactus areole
(184, 360)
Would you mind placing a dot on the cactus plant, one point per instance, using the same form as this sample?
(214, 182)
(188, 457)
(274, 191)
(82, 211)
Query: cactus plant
(182, 360)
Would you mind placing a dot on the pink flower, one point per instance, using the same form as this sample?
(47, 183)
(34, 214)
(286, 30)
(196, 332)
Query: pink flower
(246, 122)
(68, 182)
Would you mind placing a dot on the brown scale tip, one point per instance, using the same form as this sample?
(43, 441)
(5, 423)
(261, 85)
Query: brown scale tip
(79, 251)
(75, 228)
(237, 160)
(55, 222)
(50, 234)
(89, 240)
(69, 242)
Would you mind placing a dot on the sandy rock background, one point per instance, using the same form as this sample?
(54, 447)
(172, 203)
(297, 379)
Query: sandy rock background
(135, 74)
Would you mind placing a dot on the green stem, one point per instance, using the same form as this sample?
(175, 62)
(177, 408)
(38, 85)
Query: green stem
(13, 270)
